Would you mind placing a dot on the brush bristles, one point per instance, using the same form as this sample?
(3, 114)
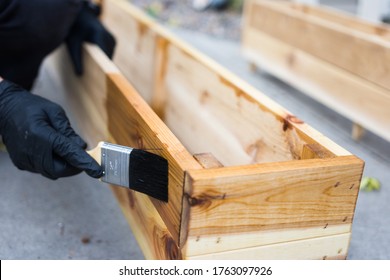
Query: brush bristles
(149, 174)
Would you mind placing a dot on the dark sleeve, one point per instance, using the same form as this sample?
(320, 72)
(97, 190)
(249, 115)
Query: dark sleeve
(30, 30)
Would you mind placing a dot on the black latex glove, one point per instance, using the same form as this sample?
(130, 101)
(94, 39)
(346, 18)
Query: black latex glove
(38, 135)
(88, 28)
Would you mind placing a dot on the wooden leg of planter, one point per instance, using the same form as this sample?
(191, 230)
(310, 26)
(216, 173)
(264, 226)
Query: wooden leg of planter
(357, 131)
(253, 67)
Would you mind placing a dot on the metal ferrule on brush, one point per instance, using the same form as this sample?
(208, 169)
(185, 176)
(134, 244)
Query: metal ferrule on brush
(115, 162)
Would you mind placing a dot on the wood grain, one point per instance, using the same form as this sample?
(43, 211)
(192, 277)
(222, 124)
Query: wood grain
(203, 245)
(196, 95)
(203, 105)
(133, 123)
(208, 160)
(296, 193)
(213, 111)
(86, 95)
(366, 56)
(227, 213)
(135, 51)
(355, 98)
(324, 248)
(343, 18)
(149, 229)
(284, 195)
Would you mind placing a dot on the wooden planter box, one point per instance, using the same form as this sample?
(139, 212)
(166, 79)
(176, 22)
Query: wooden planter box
(247, 179)
(337, 59)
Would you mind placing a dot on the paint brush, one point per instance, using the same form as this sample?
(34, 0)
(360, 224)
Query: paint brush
(135, 169)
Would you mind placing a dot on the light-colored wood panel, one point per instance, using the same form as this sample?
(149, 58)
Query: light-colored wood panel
(133, 123)
(86, 95)
(167, 43)
(148, 228)
(162, 229)
(159, 98)
(357, 131)
(94, 99)
(284, 195)
(343, 18)
(323, 248)
(211, 244)
(135, 44)
(355, 98)
(175, 88)
(354, 51)
(232, 126)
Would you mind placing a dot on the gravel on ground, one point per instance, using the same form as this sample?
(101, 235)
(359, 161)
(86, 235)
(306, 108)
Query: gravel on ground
(224, 24)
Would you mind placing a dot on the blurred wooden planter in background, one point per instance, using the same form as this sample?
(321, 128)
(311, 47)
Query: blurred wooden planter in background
(335, 58)
(247, 179)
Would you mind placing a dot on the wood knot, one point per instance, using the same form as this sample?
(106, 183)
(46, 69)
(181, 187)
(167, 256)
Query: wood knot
(256, 150)
(290, 119)
(137, 140)
(206, 200)
(291, 59)
(203, 98)
(140, 142)
(171, 250)
(142, 29)
(193, 201)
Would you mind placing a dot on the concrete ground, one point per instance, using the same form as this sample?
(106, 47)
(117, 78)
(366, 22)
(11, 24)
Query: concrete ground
(78, 217)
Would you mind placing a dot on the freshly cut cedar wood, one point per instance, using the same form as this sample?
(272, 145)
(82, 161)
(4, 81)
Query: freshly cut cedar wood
(335, 58)
(247, 179)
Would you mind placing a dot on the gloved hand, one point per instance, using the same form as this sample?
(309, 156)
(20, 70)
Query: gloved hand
(88, 28)
(38, 135)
